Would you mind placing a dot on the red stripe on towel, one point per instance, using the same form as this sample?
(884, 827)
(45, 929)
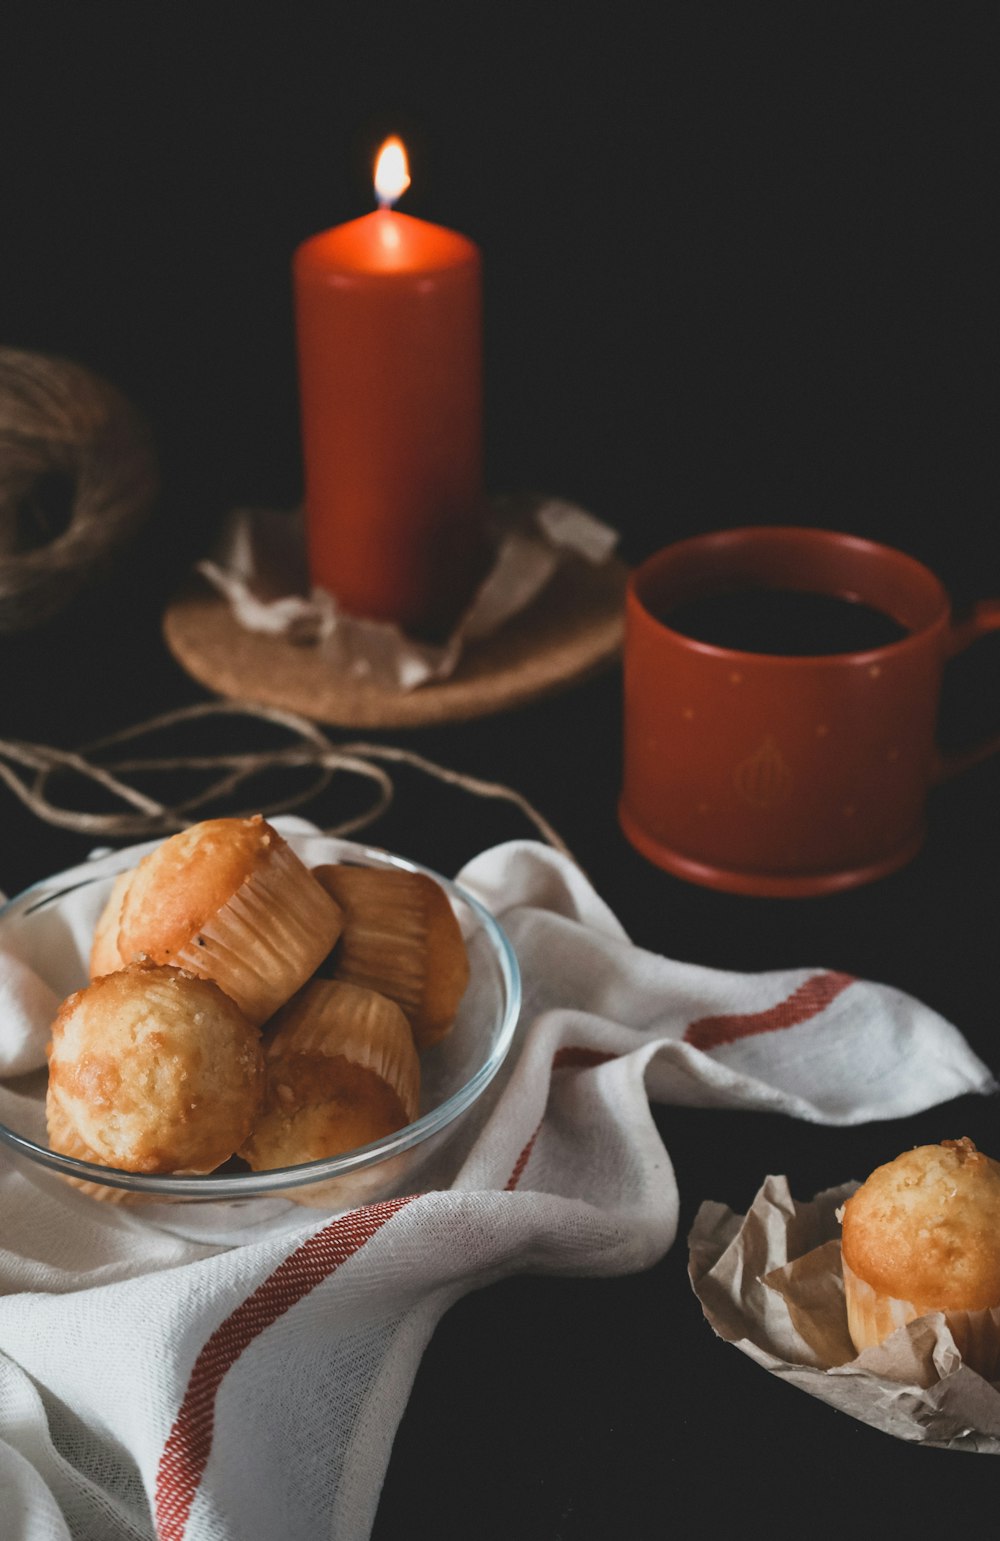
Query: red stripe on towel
(185, 1454)
(807, 1001)
(520, 1164)
(569, 1057)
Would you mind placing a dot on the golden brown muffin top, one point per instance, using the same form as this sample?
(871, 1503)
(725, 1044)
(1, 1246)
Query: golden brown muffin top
(155, 1070)
(925, 1228)
(186, 880)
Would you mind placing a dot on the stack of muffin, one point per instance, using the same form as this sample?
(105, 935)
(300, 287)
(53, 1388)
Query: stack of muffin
(243, 1005)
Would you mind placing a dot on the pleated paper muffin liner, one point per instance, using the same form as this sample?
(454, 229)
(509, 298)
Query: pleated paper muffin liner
(330, 1018)
(342, 1071)
(771, 1283)
(873, 1316)
(402, 939)
(269, 937)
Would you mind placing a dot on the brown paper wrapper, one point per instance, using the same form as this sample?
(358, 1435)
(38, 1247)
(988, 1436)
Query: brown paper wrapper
(260, 569)
(770, 1282)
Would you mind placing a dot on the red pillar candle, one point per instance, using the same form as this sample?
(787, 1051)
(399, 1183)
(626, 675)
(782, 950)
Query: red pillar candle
(389, 334)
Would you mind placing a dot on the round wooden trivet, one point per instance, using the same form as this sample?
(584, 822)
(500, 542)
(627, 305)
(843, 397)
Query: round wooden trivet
(573, 628)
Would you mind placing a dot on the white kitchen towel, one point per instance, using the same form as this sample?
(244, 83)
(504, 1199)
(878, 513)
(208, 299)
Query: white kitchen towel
(157, 1384)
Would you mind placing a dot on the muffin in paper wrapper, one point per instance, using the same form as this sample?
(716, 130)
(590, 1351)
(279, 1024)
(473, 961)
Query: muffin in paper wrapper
(266, 940)
(771, 1282)
(872, 1317)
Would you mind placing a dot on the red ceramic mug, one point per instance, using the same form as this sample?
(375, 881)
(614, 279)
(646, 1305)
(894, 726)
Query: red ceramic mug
(785, 773)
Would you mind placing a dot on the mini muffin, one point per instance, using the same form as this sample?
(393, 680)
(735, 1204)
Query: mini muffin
(923, 1234)
(152, 1069)
(401, 938)
(342, 1071)
(228, 899)
(105, 957)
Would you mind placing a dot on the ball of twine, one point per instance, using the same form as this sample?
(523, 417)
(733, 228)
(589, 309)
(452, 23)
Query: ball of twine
(67, 438)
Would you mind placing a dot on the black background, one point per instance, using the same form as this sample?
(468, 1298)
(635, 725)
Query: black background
(740, 267)
(739, 260)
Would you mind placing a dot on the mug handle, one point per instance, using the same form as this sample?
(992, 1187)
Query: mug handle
(985, 617)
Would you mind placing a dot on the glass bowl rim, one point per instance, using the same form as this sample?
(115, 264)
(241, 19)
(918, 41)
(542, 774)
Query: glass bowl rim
(254, 1185)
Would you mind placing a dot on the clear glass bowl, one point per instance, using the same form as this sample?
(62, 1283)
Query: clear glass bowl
(49, 928)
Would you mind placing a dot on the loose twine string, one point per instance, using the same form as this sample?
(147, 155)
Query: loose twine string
(148, 816)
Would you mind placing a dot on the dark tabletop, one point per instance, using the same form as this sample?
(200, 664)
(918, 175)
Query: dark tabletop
(790, 316)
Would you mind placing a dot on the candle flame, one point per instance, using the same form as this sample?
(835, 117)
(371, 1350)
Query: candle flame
(392, 173)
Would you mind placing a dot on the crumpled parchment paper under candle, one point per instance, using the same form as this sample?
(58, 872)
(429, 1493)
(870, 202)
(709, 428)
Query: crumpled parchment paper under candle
(770, 1283)
(260, 568)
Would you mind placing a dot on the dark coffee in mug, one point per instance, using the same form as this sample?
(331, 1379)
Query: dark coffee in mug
(791, 758)
(782, 622)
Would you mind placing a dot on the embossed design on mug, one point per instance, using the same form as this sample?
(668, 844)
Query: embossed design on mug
(764, 779)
